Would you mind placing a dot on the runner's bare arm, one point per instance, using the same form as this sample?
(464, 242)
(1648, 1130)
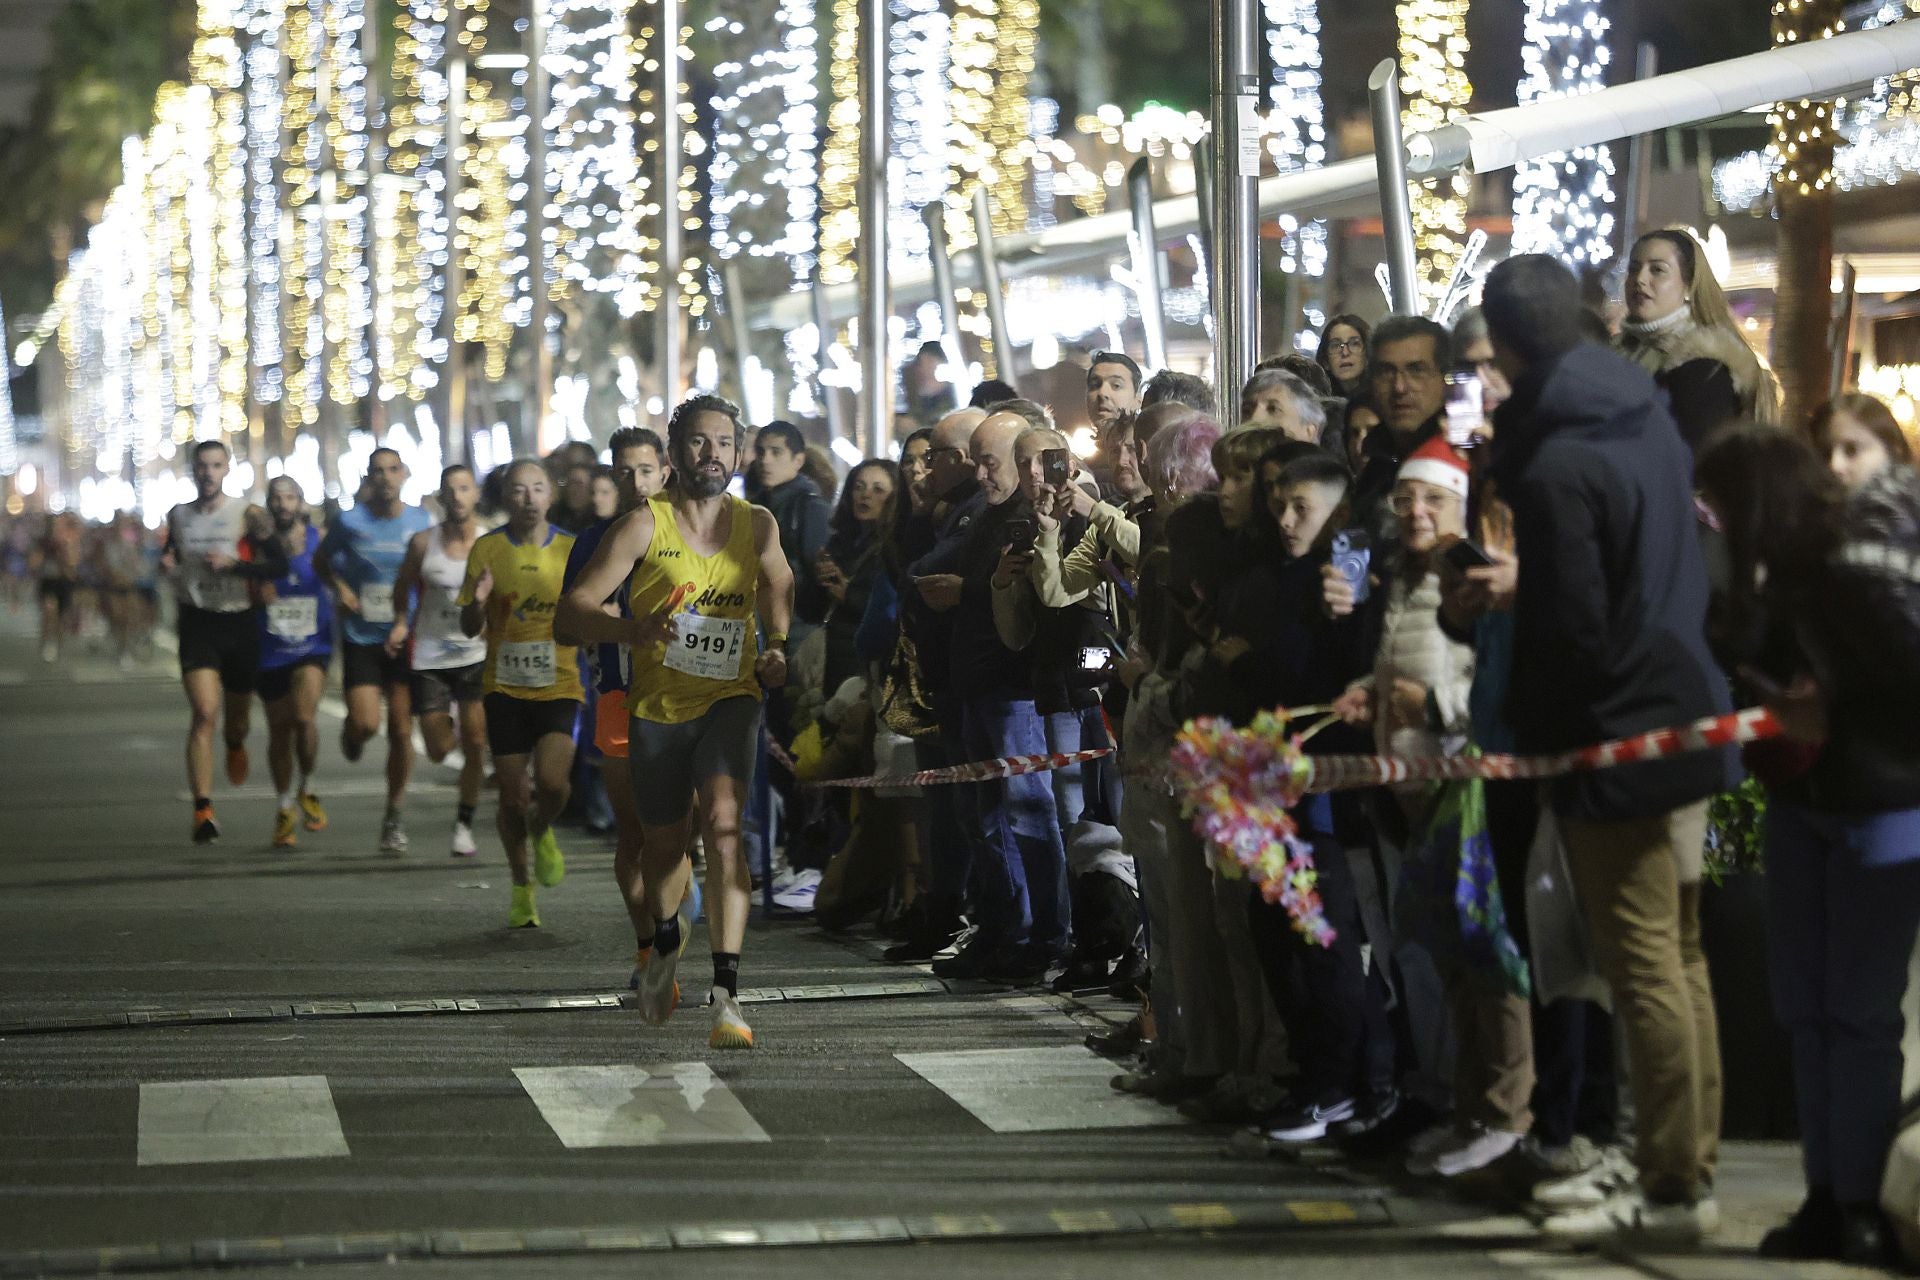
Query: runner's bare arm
(776, 575)
(404, 584)
(580, 615)
(329, 573)
(264, 558)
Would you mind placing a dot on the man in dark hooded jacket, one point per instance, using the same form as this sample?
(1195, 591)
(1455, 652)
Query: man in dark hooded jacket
(1609, 615)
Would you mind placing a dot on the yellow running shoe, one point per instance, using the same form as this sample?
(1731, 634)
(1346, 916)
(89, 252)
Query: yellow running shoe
(283, 830)
(730, 1030)
(316, 817)
(523, 914)
(549, 867)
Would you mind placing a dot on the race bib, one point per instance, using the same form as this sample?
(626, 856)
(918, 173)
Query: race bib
(293, 617)
(376, 602)
(706, 647)
(525, 664)
(440, 617)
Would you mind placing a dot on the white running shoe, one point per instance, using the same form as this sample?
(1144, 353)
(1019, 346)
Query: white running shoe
(1430, 1142)
(657, 992)
(799, 893)
(730, 1030)
(393, 837)
(1479, 1150)
(1612, 1174)
(463, 845)
(1630, 1216)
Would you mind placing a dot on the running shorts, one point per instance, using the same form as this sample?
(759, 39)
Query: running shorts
(370, 664)
(514, 725)
(669, 761)
(276, 683)
(435, 691)
(225, 642)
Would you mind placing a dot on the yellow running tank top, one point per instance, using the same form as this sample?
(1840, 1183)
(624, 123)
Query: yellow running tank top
(715, 640)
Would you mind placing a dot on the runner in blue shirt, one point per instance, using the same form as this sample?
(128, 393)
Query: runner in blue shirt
(295, 620)
(359, 560)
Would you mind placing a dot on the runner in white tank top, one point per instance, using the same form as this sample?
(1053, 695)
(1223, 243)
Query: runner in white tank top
(215, 544)
(448, 665)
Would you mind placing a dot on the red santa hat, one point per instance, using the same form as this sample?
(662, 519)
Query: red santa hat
(1439, 464)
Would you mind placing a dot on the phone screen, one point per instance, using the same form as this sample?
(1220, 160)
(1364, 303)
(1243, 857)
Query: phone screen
(1466, 411)
(1055, 467)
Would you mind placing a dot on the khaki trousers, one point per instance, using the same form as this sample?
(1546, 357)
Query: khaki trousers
(1493, 1054)
(1645, 922)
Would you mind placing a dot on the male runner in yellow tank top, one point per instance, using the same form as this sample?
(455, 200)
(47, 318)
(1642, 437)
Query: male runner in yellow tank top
(705, 567)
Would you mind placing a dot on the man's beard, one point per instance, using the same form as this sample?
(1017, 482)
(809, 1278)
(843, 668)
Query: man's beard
(696, 484)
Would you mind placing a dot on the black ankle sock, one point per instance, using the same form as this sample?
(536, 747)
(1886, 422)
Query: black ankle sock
(464, 815)
(726, 971)
(203, 802)
(666, 935)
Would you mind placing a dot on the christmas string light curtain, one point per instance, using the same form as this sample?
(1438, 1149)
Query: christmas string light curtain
(1563, 203)
(764, 180)
(1435, 91)
(1297, 130)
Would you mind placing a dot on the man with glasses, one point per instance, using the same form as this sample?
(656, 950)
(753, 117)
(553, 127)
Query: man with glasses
(1408, 372)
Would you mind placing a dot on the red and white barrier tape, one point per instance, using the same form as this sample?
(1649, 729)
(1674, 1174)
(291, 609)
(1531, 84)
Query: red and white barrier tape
(1340, 773)
(974, 771)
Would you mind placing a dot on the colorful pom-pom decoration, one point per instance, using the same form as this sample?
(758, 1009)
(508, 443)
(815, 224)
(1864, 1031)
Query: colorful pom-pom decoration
(1236, 786)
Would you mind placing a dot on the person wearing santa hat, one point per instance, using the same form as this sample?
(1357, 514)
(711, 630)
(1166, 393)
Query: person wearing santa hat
(1417, 702)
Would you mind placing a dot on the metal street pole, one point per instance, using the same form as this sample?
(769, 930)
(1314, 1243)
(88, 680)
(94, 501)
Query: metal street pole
(876, 305)
(540, 393)
(453, 374)
(671, 251)
(935, 216)
(736, 316)
(1146, 262)
(990, 285)
(1236, 212)
(1633, 207)
(1396, 209)
(829, 395)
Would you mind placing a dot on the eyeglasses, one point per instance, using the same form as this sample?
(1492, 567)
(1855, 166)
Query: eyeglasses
(1431, 500)
(1347, 346)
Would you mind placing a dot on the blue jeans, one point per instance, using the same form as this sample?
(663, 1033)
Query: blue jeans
(1843, 902)
(1068, 784)
(1020, 866)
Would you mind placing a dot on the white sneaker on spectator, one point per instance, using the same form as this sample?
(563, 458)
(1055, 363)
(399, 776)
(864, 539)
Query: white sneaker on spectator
(1629, 1215)
(1612, 1174)
(1481, 1149)
(799, 893)
(1430, 1142)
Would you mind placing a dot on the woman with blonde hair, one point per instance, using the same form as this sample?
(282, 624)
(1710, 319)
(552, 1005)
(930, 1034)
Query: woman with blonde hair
(1678, 328)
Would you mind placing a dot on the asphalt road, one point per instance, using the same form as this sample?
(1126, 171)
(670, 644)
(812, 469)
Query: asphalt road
(245, 1057)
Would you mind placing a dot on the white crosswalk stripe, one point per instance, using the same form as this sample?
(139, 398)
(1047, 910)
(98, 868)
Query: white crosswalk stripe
(214, 1121)
(679, 1104)
(1032, 1090)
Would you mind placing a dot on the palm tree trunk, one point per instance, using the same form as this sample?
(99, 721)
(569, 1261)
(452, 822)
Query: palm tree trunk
(1803, 298)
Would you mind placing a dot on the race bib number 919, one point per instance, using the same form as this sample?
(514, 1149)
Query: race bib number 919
(708, 648)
